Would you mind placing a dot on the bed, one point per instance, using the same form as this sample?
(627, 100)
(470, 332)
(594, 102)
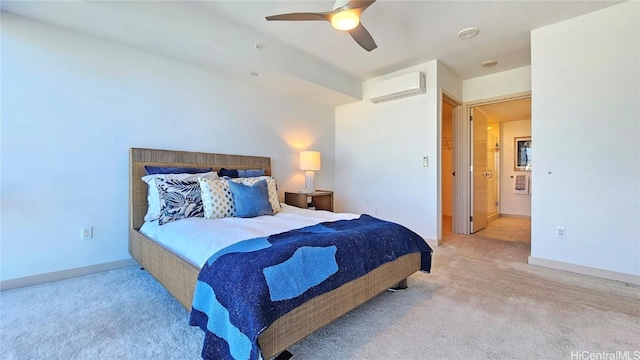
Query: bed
(179, 276)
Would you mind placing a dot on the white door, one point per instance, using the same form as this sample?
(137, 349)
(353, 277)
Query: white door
(478, 170)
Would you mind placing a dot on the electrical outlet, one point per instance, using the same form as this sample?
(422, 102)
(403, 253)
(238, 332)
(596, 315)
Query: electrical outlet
(561, 232)
(86, 233)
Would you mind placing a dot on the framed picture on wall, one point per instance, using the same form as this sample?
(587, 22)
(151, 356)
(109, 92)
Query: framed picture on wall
(522, 154)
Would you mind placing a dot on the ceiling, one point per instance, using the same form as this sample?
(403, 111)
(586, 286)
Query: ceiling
(411, 32)
(310, 58)
(512, 110)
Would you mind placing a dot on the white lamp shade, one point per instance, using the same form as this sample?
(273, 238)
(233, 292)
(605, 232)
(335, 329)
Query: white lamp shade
(310, 160)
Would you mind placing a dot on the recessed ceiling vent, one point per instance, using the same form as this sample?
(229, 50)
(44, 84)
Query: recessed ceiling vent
(399, 87)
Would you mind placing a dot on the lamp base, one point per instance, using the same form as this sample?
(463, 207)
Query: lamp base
(309, 176)
(305, 191)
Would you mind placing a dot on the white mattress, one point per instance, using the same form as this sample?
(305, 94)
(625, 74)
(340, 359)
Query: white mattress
(196, 239)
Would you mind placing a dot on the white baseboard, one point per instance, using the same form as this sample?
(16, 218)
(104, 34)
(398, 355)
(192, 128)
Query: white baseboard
(433, 243)
(64, 274)
(585, 270)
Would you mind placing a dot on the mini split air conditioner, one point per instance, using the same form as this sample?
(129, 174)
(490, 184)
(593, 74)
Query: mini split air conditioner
(398, 87)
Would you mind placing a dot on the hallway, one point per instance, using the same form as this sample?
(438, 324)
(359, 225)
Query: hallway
(507, 229)
(510, 229)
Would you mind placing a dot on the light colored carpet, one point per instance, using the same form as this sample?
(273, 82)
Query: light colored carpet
(119, 314)
(482, 301)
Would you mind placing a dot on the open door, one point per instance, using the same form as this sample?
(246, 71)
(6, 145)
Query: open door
(478, 170)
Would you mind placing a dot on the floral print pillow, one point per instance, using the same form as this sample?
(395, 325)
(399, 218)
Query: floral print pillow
(179, 199)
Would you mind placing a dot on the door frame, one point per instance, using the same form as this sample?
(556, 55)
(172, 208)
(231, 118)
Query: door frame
(462, 160)
(456, 116)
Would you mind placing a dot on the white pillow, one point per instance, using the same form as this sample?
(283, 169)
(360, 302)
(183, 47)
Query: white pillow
(153, 196)
(271, 185)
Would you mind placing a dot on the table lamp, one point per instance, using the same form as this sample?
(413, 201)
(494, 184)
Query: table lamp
(309, 162)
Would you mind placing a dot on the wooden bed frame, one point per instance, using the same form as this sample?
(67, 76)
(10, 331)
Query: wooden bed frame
(179, 276)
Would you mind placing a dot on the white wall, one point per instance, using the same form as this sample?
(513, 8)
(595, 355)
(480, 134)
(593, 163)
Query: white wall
(378, 148)
(586, 126)
(510, 203)
(72, 106)
(495, 85)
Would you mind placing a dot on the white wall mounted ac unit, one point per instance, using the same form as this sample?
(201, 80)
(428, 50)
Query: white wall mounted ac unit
(399, 87)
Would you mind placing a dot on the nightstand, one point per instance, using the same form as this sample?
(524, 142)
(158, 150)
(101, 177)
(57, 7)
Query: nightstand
(321, 199)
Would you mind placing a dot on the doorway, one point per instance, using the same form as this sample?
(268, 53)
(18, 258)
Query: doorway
(506, 118)
(500, 187)
(451, 110)
(447, 166)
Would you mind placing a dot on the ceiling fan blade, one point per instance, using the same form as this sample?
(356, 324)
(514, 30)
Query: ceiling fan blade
(362, 37)
(299, 16)
(359, 33)
(355, 4)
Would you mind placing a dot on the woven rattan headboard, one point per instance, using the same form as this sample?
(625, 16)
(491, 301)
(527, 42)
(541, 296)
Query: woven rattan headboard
(138, 158)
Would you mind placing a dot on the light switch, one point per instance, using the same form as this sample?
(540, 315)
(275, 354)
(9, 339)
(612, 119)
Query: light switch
(425, 161)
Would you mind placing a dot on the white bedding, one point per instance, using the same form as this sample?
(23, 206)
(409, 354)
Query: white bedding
(196, 239)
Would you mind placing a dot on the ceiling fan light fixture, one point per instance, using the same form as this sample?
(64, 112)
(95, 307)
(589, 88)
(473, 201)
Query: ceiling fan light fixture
(344, 17)
(345, 20)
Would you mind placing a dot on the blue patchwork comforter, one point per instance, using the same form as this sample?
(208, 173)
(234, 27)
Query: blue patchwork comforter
(244, 288)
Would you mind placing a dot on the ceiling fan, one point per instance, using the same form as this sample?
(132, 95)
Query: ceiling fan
(344, 16)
